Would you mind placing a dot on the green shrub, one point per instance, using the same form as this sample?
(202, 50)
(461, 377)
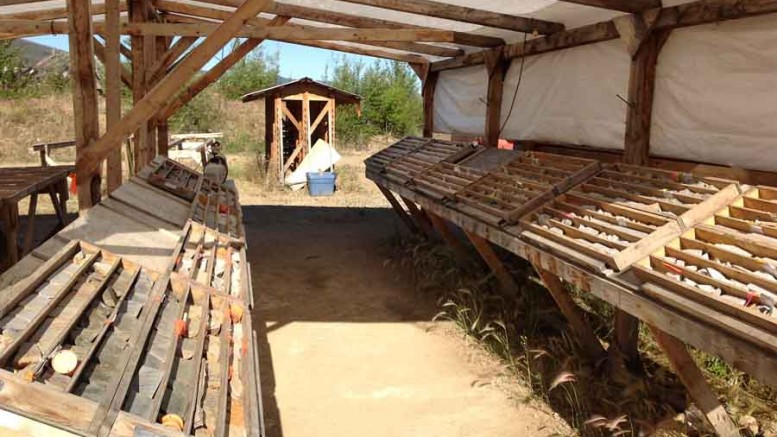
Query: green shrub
(391, 100)
(201, 114)
(256, 71)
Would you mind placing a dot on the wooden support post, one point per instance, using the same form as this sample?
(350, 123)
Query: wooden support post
(29, 234)
(162, 138)
(497, 69)
(113, 68)
(138, 13)
(641, 90)
(485, 250)
(170, 84)
(332, 118)
(10, 212)
(428, 95)
(304, 133)
(694, 382)
(443, 229)
(399, 210)
(626, 338)
(419, 218)
(87, 124)
(585, 335)
(276, 161)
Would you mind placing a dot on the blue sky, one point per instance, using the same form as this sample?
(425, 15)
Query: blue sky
(295, 61)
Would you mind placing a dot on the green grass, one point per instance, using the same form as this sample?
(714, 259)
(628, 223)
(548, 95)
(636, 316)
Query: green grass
(528, 334)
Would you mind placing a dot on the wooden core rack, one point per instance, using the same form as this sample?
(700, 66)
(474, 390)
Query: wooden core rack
(695, 258)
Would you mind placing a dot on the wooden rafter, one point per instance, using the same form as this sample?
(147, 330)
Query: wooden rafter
(54, 13)
(365, 49)
(341, 19)
(688, 14)
(171, 55)
(169, 85)
(214, 73)
(362, 50)
(465, 14)
(219, 14)
(630, 6)
(298, 33)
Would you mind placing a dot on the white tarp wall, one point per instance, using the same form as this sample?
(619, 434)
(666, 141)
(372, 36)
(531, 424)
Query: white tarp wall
(460, 101)
(716, 94)
(569, 96)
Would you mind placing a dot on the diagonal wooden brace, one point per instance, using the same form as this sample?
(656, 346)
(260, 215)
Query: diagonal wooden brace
(585, 335)
(486, 252)
(694, 382)
(399, 210)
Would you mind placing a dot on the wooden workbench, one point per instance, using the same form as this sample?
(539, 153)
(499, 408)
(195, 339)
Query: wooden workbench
(18, 183)
(139, 237)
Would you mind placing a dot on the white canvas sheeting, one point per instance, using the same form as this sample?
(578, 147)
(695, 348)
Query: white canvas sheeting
(716, 94)
(459, 101)
(570, 96)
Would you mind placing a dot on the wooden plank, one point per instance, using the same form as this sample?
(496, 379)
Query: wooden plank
(45, 404)
(30, 329)
(581, 330)
(164, 91)
(87, 125)
(465, 14)
(22, 288)
(694, 382)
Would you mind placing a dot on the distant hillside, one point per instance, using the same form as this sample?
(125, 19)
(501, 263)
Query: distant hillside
(37, 55)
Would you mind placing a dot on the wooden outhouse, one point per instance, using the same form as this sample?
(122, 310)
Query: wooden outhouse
(297, 114)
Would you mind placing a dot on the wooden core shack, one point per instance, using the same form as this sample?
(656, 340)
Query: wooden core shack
(297, 114)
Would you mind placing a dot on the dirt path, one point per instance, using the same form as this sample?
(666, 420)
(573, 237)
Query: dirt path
(348, 349)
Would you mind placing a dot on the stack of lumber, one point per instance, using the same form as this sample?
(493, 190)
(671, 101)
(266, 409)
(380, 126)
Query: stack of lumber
(137, 345)
(672, 248)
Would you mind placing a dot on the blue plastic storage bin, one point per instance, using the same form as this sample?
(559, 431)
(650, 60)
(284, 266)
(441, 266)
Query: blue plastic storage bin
(321, 183)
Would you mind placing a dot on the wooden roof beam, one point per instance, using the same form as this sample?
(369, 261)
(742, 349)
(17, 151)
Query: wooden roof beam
(357, 50)
(466, 15)
(630, 6)
(340, 19)
(685, 15)
(299, 33)
(220, 14)
(55, 13)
